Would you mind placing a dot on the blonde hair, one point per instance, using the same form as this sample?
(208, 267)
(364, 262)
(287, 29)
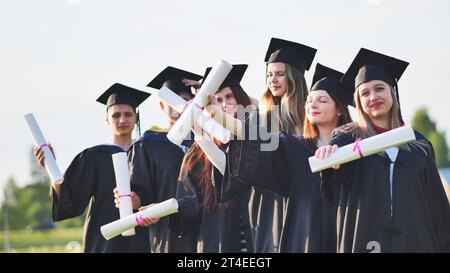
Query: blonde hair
(365, 126)
(292, 102)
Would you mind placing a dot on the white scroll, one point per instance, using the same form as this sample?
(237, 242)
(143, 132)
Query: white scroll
(171, 98)
(183, 126)
(120, 163)
(214, 154)
(366, 147)
(214, 128)
(205, 121)
(39, 140)
(159, 210)
(226, 120)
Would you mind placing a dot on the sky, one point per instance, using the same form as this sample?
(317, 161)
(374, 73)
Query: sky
(58, 56)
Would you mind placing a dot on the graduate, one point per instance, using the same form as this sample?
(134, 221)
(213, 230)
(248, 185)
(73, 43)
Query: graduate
(309, 224)
(156, 162)
(392, 201)
(210, 226)
(90, 178)
(287, 89)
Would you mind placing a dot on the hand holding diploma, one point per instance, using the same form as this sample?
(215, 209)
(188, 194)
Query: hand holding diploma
(158, 210)
(40, 156)
(49, 160)
(120, 163)
(135, 199)
(148, 221)
(326, 158)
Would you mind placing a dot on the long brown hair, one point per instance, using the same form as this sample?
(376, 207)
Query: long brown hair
(311, 132)
(197, 165)
(292, 102)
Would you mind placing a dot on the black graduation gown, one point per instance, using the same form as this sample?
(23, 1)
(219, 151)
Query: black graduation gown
(266, 210)
(154, 169)
(90, 179)
(267, 213)
(309, 224)
(217, 231)
(420, 220)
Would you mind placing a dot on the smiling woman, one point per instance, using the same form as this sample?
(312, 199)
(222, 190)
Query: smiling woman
(393, 198)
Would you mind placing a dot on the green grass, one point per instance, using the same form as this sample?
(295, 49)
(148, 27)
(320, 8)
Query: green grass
(58, 240)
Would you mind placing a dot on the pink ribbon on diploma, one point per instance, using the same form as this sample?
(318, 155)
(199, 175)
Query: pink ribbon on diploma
(195, 104)
(43, 145)
(357, 147)
(125, 195)
(139, 219)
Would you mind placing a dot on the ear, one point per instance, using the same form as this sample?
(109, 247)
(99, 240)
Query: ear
(106, 119)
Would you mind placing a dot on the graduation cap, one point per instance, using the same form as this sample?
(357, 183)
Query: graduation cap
(328, 79)
(172, 78)
(298, 55)
(233, 78)
(370, 65)
(122, 94)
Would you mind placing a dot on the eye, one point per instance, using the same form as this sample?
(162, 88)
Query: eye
(115, 115)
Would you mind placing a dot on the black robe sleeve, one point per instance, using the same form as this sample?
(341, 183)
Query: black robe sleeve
(78, 187)
(437, 200)
(142, 173)
(185, 222)
(331, 178)
(272, 170)
(269, 170)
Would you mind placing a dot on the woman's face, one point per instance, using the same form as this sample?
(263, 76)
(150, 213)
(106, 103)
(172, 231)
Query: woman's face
(277, 79)
(121, 118)
(321, 109)
(376, 99)
(227, 101)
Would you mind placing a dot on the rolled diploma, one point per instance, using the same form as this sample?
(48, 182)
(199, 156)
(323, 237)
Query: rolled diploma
(369, 146)
(162, 209)
(214, 154)
(214, 128)
(171, 98)
(50, 163)
(120, 163)
(205, 121)
(184, 124)
(229, 122)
